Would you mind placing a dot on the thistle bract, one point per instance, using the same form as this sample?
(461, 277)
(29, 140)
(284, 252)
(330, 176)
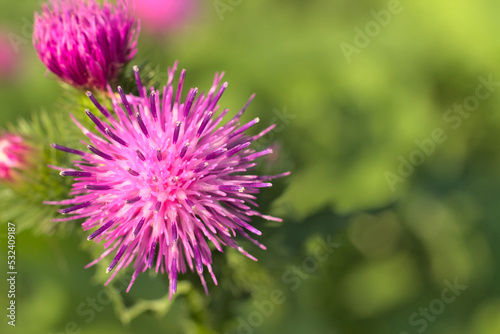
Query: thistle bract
(83, 43)
(162, 178)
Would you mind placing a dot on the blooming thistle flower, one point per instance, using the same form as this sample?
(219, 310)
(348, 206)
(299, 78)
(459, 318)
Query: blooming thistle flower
(84, 44)
(159, 16)
(13, 155)
(162, 177)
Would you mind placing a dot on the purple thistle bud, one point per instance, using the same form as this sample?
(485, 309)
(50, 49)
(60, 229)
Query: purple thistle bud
(84, 43)
(176, 186)
(14, 155)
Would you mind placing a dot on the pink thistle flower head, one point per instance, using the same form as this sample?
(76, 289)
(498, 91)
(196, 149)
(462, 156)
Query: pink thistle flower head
(159, 16)
(14, 153)
(162, 178)
(83, 43)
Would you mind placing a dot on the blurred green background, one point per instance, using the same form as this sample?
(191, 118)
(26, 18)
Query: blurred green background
(391, 215)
